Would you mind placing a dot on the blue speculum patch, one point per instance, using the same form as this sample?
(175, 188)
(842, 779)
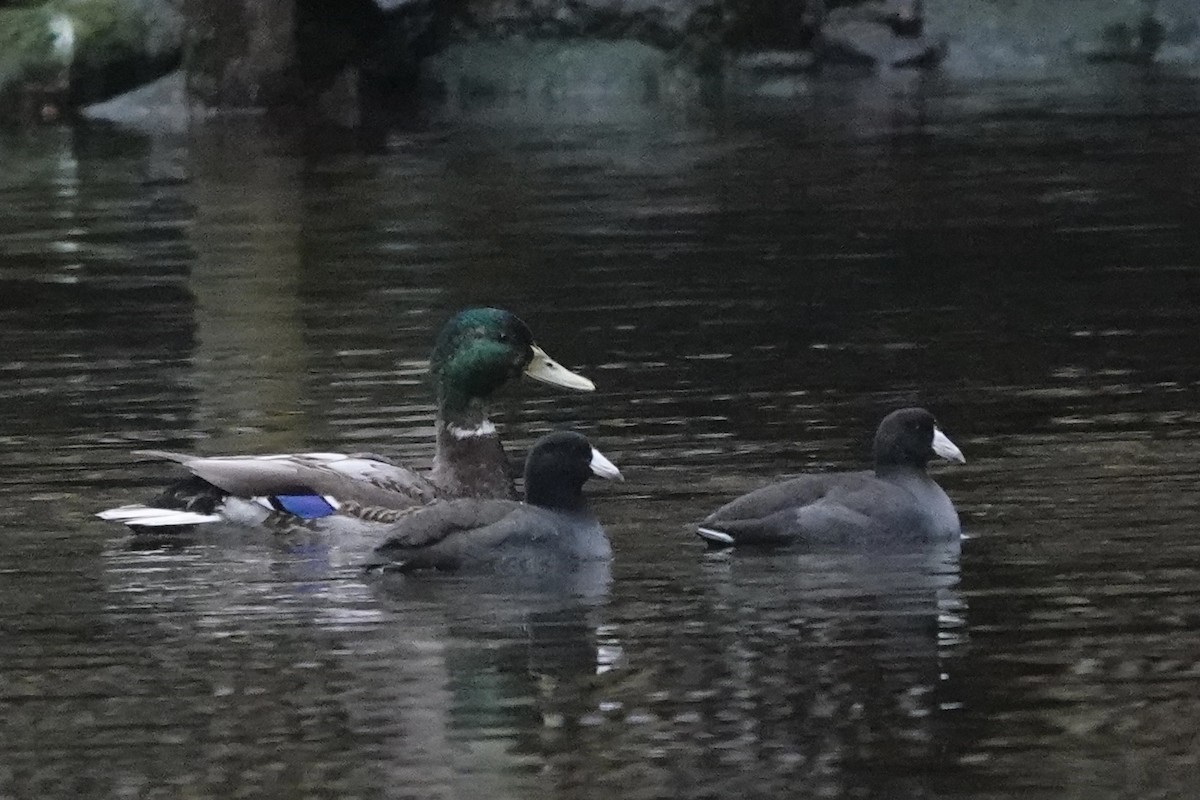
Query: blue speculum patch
(305, 506)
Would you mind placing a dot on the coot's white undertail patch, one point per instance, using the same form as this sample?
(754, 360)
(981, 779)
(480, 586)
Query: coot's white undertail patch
(714, 535)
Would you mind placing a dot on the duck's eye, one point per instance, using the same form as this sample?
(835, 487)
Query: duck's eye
(502, 337)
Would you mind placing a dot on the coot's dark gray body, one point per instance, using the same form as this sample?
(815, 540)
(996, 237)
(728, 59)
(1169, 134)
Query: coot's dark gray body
(896, 504)
(552, 531)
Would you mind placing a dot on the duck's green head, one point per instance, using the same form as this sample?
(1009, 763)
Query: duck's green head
(481, 349)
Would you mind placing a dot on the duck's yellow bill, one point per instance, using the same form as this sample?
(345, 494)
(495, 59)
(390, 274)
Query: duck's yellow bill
(545, 369)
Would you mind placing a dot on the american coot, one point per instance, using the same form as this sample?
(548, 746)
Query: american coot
(897, 503)
(477, 352)
(551, 531)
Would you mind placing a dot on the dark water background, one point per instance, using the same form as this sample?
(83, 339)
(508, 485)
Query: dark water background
(752, 287)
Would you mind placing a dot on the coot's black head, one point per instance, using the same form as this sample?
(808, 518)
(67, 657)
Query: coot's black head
(481, 349)
(558, 465)
(909, 438)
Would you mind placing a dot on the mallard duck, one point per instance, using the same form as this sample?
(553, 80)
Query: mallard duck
(476, 353)
(550, 532)
(897, 503)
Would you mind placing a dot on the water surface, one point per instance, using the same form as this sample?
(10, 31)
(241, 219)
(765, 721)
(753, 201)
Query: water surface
(752, 288)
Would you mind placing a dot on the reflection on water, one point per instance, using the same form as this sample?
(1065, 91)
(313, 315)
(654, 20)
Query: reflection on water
(751, 288)
(831, 673)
